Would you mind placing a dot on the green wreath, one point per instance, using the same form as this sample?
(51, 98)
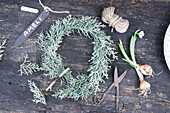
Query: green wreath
(83, 85)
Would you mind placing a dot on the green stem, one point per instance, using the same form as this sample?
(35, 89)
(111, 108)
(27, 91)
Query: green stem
(125, 55)
(132, 49)
(132, 46)
(140, 75)
(132, 52)
(128, 62)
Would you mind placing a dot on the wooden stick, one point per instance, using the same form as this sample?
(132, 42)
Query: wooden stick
(55, 80)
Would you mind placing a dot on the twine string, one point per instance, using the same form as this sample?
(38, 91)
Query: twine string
(115, 21)
(46, 8)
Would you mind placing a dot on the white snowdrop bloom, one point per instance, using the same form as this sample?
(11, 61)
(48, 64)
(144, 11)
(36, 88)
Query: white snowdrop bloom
(141, 34)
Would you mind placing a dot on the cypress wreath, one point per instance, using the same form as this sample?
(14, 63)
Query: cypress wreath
(83, 85)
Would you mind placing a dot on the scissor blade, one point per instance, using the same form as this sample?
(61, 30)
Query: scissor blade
(116, 81)
(122, 76)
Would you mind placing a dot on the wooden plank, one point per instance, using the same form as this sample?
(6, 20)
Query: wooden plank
(151, 16)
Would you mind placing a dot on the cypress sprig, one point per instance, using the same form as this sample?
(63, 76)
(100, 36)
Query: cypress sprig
(28, 68)
(37, 94)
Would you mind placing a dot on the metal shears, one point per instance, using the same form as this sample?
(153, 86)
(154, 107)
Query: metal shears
(116, 82)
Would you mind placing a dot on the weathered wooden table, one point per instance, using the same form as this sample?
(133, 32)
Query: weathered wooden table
(153, 17)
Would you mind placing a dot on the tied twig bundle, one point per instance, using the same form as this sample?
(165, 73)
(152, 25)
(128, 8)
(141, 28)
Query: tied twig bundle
(121, 25)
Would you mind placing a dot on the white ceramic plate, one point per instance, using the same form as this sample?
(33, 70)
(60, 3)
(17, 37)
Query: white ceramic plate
(167, 47)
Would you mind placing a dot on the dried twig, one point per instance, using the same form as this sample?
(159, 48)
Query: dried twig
(51, 85)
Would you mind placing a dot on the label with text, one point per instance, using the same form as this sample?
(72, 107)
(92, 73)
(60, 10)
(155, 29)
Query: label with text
(34, 25)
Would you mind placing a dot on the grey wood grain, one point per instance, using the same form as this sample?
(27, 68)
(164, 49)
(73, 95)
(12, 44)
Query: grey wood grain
(151, 16)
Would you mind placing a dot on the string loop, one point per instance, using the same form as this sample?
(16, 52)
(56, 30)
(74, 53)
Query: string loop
(46, 8)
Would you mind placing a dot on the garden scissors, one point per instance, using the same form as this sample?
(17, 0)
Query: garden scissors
(116, 82)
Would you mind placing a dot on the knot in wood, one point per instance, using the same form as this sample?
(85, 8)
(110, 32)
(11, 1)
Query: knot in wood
(121, 25)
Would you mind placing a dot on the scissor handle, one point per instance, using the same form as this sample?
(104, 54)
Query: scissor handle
(103, 96)
(99, 101)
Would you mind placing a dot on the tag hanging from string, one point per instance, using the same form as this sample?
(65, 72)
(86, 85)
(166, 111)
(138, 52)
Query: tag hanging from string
(35, 24)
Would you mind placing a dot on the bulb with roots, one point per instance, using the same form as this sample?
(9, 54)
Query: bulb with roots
(144, 88)
(145, 69)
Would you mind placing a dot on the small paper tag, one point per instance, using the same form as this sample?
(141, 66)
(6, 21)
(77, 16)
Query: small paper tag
(29, 9)
(34, 25)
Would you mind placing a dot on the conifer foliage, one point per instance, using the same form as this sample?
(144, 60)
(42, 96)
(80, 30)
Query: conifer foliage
(103, 53)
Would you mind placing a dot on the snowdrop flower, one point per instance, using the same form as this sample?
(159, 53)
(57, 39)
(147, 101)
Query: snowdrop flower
(141, 34)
